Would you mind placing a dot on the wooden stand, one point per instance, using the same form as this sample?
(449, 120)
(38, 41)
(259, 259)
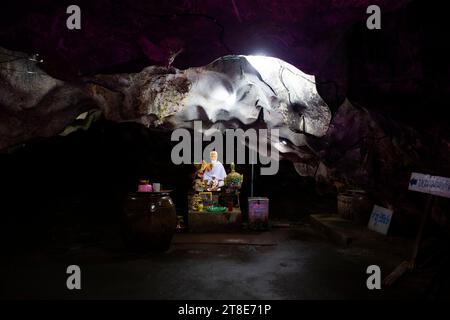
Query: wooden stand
(205, 221)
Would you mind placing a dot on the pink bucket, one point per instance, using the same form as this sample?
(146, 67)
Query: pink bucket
(145, 188)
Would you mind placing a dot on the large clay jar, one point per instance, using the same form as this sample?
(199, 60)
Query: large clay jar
(149, 221)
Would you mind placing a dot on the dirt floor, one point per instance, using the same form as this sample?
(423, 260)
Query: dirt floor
(284, 263)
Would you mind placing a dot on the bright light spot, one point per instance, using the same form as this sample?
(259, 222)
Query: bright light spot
(220, 94)
(283, 142)
(264, 64)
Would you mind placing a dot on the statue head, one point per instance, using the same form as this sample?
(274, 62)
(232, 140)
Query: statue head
(213, 156)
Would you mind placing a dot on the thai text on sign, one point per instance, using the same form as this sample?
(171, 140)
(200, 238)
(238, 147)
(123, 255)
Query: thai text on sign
(435, 185)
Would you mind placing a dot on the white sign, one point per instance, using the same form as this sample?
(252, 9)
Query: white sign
(380, 219)
(438, 186)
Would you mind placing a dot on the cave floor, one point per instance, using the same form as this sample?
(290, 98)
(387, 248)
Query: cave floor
(284, 263)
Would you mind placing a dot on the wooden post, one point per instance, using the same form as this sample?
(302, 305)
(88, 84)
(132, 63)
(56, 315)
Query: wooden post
(408, 265)
(422, 225)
